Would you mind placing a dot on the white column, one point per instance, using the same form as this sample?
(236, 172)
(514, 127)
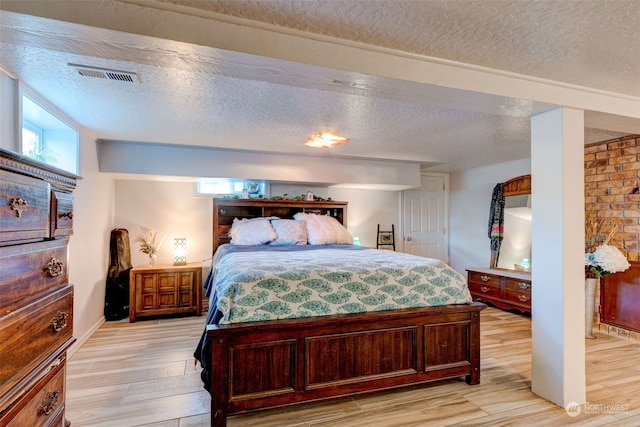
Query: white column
(557, 202)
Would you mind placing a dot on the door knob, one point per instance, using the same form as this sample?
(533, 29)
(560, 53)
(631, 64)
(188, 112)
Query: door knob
(408, 239)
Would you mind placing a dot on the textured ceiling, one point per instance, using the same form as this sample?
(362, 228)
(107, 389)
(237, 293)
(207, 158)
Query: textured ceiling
(591, 43)
(197, 95)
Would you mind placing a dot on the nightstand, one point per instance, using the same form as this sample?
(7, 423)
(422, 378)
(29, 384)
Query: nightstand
(165, 289)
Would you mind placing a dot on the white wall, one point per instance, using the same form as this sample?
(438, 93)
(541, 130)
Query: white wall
(173, 210)
(89, 245)
(469, 201)
(170, 208)
(8, 90)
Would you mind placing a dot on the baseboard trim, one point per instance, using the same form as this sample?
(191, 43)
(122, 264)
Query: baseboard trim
(80, 341)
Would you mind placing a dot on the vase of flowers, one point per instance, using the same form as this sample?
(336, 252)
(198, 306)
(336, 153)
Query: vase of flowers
(600, 260)
(149, 246)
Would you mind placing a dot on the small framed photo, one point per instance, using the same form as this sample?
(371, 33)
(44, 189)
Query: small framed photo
(385, 238)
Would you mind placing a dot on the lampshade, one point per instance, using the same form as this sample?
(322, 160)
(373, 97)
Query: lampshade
(325, 140)
(180, 251)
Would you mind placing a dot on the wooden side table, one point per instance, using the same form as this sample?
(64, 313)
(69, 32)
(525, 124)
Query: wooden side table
(165, 289)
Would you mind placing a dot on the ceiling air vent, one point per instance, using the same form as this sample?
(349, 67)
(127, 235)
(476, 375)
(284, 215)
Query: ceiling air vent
(105, 73)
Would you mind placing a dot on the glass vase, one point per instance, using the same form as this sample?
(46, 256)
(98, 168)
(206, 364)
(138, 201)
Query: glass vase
(152, 260)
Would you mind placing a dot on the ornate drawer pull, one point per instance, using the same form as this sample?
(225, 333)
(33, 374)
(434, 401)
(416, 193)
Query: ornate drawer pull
(524, 285)
(19, 205)
(484, 278)
(59, 321)
(484, 289)
(523, 298)
(67, 215)
(49, 403)
(54, 268)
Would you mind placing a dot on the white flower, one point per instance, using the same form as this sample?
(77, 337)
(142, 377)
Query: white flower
(605, 260)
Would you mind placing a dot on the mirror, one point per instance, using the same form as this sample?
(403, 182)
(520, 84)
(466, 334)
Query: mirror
(515, 249)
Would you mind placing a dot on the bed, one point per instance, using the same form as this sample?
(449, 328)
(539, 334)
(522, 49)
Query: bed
(300, 323)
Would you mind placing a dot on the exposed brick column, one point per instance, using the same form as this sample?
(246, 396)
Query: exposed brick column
(611, 179)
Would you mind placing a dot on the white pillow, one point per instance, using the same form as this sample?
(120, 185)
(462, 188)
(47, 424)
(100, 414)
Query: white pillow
(290, 232)
(324, 230)
(256, 231)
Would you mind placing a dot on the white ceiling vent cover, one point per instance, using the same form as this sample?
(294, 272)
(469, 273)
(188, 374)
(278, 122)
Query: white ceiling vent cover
(105, 73)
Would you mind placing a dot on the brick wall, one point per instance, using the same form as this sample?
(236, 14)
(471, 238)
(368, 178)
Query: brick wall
(611, 172)
(611, 175)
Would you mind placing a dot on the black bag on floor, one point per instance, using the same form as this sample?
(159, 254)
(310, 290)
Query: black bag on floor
(116, 299)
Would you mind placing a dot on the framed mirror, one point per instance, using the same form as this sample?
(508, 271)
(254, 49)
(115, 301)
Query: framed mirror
(515, 249)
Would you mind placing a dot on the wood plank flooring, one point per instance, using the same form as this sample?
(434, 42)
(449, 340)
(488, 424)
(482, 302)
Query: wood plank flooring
(143, 374)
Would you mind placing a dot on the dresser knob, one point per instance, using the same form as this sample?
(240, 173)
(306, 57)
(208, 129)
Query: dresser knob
(523, 298)
(524, 285)
(484, 289)
(19, 205)
(49, 403)
(67, 215)
(484, 278)
(54, 268)
(59, 321)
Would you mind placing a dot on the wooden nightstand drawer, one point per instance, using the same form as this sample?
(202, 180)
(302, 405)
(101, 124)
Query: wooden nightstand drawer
(165, 289)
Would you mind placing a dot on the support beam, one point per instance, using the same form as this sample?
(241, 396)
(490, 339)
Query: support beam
(557, 171)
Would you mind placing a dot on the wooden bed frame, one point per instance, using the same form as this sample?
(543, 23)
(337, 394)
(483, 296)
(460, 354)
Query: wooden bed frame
(276, 363)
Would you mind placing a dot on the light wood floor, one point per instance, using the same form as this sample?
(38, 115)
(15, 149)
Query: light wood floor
(143, 374)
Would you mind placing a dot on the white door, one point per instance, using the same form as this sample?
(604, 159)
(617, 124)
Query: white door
(425, 219)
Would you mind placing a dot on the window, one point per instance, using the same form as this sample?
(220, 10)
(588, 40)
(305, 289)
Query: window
(46, 137)
(231, 187)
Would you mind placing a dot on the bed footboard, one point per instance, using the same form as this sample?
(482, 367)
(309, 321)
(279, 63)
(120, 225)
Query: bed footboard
(271, 364)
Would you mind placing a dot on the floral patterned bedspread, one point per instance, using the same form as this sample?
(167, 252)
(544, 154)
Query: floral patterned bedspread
(265, 285)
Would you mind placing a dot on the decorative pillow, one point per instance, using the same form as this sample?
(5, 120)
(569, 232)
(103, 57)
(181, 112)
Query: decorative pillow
(255, 231)
(290, 232)
(324, 230)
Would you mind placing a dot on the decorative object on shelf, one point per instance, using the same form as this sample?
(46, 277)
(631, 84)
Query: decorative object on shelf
(149, 246)
(180, 251)
(600, 260)
(356, 241)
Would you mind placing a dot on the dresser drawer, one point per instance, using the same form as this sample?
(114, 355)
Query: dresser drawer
(484, 279)
(24, 208)
(43, 404)
(484, 290)
(520, 298)
(517, 285)
(31, 271)
(33, 333)
(61, 214)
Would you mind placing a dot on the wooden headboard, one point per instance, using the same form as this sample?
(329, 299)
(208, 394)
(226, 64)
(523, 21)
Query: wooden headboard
(225, 210)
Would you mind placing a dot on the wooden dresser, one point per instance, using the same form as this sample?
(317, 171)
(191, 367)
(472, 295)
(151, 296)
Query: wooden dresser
(506, 289)
(36, 299)
(165, 289)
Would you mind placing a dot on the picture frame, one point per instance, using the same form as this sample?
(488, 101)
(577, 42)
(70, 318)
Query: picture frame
(385, 238)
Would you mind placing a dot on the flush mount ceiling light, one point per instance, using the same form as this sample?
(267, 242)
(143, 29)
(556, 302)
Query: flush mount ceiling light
(325, 140)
